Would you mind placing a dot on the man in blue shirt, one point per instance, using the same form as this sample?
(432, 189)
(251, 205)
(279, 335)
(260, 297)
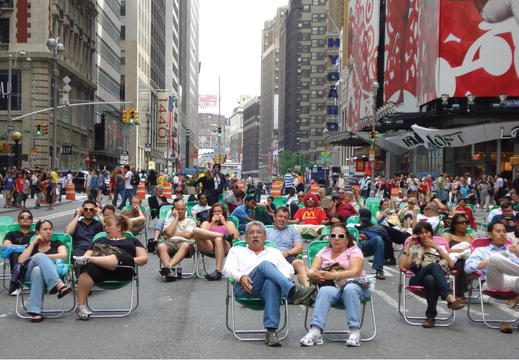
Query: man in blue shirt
(245, 212)
(288, 180)
(498, 262)
(289, 241)
(506, 217)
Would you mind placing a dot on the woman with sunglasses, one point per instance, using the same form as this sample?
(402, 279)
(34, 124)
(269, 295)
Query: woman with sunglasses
(459, 243)
(99, 268)
(20, 237)
(462, 208)
(430, 263)
(338, 271)
(42, 271)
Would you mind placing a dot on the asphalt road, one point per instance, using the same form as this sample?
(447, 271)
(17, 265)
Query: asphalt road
(186, 319)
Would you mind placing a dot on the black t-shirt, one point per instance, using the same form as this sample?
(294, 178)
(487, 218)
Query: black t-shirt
(19, 238)
(128, 244)
(84, 234)
(54, 245)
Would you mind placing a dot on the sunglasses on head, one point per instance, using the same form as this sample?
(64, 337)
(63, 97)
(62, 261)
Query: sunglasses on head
(340, 236)
(25, 217)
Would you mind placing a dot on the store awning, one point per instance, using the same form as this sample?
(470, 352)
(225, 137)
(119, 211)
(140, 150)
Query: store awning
(361, 138)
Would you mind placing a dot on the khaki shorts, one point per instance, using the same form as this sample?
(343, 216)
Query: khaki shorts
(174, 245)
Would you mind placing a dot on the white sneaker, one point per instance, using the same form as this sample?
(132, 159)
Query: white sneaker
(311, 339)
(354, 338)
(82, 312)
(81, 260)
(15, 292)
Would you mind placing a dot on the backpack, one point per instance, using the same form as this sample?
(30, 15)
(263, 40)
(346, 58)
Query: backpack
(135, 179)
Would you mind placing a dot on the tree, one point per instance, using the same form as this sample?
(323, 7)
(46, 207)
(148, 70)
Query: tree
(288, 160)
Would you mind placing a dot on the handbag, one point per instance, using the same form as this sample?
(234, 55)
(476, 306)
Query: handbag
(18, 274)
(420, 259)
(105, 250)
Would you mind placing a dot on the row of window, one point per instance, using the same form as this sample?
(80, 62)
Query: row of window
(109, 55)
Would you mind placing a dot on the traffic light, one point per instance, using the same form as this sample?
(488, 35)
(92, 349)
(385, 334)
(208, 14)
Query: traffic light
(136, 117)
(38, 131)
(260, 160)
(219, 130)
(131, 117)
(125, 116)
(44, 130)
(373, 136)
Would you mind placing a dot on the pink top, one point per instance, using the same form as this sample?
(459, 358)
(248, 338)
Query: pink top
(343, 259)
(221, 229)
(440, 240)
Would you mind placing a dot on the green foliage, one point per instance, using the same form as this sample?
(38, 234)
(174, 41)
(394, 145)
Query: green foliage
(289, 159)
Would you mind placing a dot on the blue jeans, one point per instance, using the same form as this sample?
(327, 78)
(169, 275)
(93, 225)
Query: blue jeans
(375, 247)
(118, 190)
(43, 277)
(432, 278)
(351, 296)
(159, 225)
(269, 284)
(127, 195)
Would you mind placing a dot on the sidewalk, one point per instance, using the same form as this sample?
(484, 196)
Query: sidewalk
(30, 203)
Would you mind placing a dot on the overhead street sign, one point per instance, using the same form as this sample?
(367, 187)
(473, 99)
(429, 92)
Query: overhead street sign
(124, 160)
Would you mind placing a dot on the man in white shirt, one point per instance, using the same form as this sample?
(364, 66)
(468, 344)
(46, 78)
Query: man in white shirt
(201, 209)
(263, 272)
(128, 187)
(178, 231)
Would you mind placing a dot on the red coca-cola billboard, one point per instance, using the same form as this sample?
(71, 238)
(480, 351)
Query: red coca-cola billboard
(363, 42)
(453, 47)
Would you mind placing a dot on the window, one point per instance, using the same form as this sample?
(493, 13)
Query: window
(16, 89)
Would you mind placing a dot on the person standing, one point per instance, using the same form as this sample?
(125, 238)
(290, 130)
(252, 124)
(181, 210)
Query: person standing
(8, 190)
(289, 183)
(219, 184)
(51, 187)
(119, 181)
(128, 188)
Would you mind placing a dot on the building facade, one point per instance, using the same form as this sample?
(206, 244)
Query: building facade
(251, 131)
(269, 105)
(306, 88)
(26, 26)
(189, 70)
(207, 125)
(235, 133)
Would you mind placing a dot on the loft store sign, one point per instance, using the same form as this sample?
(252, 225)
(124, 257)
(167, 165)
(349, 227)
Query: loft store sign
(333, 76)
(442, 138)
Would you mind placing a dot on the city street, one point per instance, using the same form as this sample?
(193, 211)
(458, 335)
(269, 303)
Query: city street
(186, 319)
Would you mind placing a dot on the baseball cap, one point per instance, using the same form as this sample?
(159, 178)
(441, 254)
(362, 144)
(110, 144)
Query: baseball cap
(364, 215)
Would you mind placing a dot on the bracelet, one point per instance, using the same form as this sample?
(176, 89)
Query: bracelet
(405, 253)
(336, 275)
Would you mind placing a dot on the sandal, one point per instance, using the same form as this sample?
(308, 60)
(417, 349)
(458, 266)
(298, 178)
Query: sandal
(65, 290)
(37, 318)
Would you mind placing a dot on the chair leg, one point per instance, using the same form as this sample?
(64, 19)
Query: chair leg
(119, 312)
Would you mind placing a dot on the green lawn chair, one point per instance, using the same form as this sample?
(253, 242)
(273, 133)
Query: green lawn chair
(6, 276)
(471, 207)
(338, 335)
(114, 285)
(164, 211)
(253, 304)
(5, 221)
(66, 239)
(280, 201)
(189, 206)
(469, 231)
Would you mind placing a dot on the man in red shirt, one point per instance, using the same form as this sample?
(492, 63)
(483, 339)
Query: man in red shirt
(342, 207)
(311, 219)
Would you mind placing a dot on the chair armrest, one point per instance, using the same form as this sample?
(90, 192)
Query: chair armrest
(477, 274)
(231, 281)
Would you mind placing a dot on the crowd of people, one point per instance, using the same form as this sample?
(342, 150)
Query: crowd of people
(433, 224)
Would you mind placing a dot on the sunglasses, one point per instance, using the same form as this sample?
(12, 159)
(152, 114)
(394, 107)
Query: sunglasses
(340, 236)
(25, 217)
(461, 222)
(89, 209)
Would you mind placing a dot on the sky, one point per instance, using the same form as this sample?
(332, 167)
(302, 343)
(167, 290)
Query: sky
(230, 48)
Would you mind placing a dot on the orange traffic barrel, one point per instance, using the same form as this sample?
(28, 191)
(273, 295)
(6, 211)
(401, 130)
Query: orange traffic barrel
(241, 185)
(314, 189)
(395, 192)
(70, 192)
(141, 190)
(276, 188)
(167, 190)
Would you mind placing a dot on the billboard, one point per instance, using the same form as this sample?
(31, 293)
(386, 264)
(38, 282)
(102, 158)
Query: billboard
(479, 48)
(363, 39)
(454, 47)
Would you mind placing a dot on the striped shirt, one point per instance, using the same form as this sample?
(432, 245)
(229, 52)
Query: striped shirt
(289, 180)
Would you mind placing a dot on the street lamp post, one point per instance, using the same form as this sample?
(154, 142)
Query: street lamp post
(374, 90)
(56, 47)
(16, 136)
